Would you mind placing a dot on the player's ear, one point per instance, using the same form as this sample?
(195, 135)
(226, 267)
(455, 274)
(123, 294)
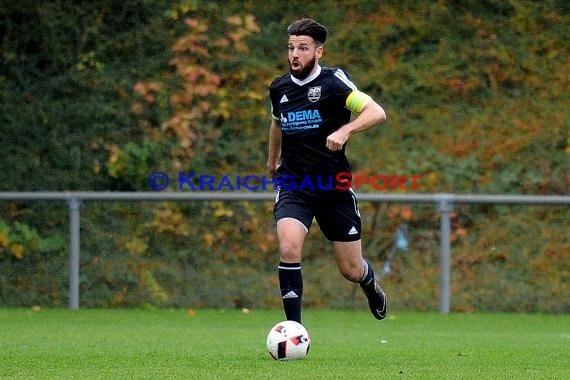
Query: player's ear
(319, 52)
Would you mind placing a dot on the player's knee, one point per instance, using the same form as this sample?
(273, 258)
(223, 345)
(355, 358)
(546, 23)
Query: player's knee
(289, 252)
(351, 271)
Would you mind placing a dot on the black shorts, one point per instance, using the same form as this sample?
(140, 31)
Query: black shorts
(336, 212)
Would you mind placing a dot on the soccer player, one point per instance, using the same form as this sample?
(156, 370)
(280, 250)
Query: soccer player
(311, 123)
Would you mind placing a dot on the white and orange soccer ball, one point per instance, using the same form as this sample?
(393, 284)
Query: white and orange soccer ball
(288, 340)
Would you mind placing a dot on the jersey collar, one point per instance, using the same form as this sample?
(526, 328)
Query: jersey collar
(307, 79)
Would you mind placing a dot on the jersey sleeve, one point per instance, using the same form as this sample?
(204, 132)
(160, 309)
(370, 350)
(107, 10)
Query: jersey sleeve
(355, 99)
(272, 99)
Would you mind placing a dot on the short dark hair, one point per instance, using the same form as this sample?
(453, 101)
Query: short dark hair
(308, 27)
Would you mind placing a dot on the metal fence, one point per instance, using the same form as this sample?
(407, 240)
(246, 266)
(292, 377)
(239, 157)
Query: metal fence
(443, 201)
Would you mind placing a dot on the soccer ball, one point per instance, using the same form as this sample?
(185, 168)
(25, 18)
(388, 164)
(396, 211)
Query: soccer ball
(288, 340)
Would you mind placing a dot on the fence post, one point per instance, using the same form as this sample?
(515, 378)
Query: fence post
(445, 206)
(74, 230)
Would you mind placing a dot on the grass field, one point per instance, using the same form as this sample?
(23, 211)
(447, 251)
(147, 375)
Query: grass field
(210, 344)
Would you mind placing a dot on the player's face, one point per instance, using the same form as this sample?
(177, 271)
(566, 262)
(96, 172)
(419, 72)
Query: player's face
(303, 55)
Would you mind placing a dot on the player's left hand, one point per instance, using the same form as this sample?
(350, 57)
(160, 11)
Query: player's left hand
(336, 140)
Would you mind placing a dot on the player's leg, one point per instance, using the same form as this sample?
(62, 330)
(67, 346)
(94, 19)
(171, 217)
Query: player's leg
(349, 260)
(293, 218)
(355, 268)
(291, 234)
(339, 219)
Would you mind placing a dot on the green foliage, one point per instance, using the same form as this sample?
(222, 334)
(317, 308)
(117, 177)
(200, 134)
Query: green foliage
(20, 240)
(30, 265)
(65, 82)
(133, 163)
(98, 95)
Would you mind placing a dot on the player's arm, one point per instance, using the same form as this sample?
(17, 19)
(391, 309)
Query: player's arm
(274, 156)
(369, 112)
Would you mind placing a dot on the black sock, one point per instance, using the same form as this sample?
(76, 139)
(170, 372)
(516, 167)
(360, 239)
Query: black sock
(367, 281)
(291, 284)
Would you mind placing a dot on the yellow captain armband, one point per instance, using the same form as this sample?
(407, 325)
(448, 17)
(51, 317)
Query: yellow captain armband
(356, 101)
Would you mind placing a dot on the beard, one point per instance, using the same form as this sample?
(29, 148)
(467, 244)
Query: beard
(302, 72)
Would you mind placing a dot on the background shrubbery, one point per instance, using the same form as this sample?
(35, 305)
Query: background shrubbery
(98, 95)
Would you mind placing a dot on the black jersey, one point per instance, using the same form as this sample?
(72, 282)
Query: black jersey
(309, 111)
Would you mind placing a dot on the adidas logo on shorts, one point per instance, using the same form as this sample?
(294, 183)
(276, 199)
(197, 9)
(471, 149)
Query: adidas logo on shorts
(353, 231)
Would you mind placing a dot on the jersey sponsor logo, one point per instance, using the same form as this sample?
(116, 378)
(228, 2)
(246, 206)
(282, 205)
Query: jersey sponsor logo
(314, 93)
(300, 120)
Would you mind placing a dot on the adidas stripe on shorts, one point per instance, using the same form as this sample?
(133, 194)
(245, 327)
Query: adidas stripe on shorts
(336, 211)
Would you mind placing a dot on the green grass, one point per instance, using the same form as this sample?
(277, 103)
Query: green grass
(149, 344)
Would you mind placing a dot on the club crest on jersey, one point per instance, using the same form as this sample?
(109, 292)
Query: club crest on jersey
(314, 93)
